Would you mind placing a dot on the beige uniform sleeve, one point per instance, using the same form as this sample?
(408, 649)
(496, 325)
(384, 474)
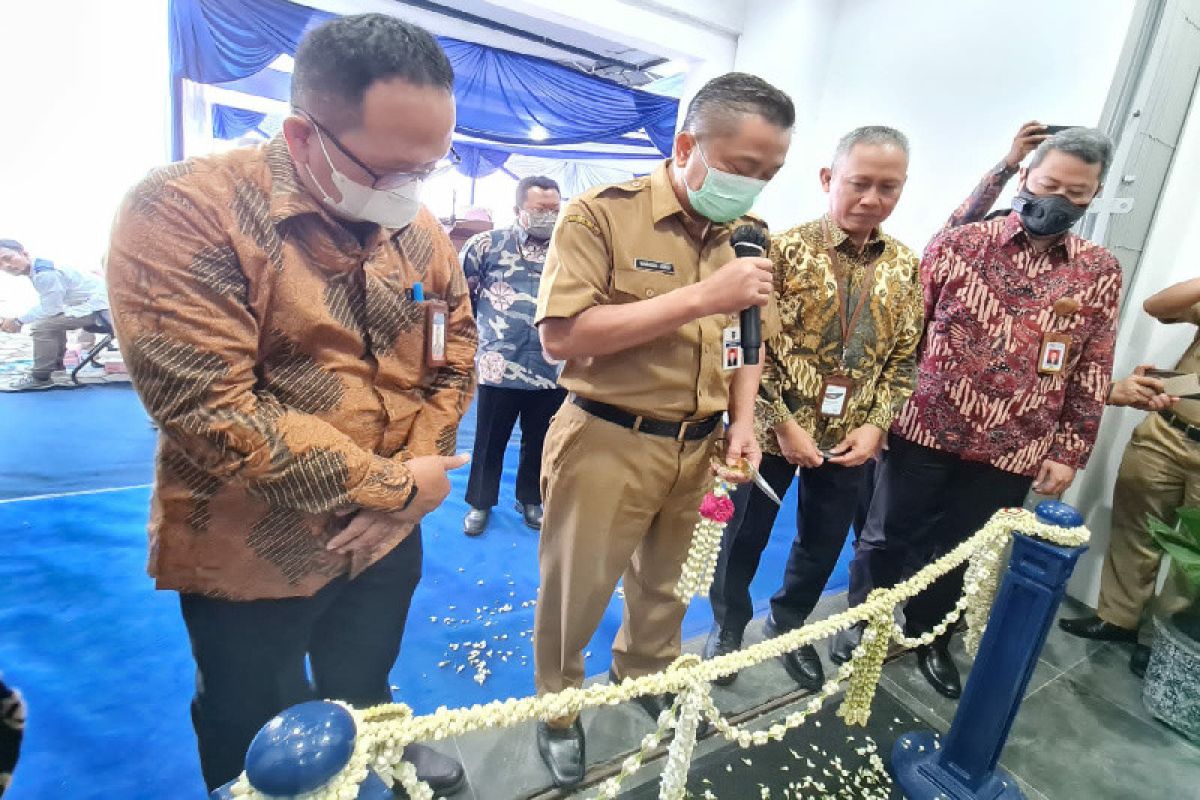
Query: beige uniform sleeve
(1192, 315)
(578, 271)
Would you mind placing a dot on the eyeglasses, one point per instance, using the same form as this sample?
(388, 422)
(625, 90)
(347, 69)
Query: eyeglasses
(388, 180)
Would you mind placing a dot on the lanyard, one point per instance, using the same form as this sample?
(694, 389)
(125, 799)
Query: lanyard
(842, 278)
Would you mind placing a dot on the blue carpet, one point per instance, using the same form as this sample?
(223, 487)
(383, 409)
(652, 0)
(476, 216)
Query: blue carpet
(72, 440)
(103, 658)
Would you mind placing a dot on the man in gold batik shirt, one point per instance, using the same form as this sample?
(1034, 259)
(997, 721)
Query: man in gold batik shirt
(851, 312)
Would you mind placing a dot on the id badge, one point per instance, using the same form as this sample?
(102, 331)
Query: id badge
(436, 314)
(1055, 349)
(835, 396)
(731, 350)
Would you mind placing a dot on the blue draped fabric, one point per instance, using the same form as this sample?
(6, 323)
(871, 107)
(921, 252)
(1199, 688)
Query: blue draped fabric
(232, 123)
(503, 97)
(213, 41)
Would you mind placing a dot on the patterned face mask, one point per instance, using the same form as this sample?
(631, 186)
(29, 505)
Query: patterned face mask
(539, 224)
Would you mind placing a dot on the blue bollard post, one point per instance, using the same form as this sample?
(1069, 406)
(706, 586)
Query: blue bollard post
(962, 765)
(300, 750)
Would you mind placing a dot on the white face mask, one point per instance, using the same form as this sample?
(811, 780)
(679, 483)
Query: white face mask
(394, 209)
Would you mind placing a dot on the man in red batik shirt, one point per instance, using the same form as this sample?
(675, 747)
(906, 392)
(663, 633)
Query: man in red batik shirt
(1020, 324)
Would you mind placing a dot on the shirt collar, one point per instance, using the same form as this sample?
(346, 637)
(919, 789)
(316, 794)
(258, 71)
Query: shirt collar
(663, 202)
(519, 233)
(40, 265)
(1012, 228)
(289, 198)
(840, 237)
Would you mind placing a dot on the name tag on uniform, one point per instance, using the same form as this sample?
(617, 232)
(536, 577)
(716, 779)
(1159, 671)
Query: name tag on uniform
(647, 265)
(835, 396)
(731, 349)
(436, 313)
(1055, 349)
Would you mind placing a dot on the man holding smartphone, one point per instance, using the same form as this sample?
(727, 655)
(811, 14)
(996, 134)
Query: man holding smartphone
(1160, 471)
(994, 413)
(850, 303)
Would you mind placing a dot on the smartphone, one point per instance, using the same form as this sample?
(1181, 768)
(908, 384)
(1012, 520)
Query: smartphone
(1050, 130)
(1185, 385)
(1162, 374)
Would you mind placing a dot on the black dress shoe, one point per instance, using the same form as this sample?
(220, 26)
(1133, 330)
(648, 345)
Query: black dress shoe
(804, 665)
(476, 521)
(1139, 660)
(443, 774)
(1095, 628)
(841, 650)
(722, 642)
(939, 669)
(532, 513)
(562, 750)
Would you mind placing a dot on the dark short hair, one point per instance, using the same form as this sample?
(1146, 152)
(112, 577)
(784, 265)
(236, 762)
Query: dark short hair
(11, 244)
(714, 107)
(338, 61)
(535, 182)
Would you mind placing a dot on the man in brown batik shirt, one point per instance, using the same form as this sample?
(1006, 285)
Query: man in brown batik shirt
(298, 326)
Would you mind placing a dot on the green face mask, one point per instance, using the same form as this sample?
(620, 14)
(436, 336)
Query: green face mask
(723, 196)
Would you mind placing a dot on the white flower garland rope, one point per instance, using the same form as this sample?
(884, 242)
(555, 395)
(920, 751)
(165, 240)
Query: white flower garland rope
(384, 731)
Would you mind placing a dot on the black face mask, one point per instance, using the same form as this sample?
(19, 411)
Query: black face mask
(1046, 215)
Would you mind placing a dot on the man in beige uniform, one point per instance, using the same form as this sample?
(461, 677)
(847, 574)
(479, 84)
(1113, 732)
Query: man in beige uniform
(1159, 472)
(640, 287)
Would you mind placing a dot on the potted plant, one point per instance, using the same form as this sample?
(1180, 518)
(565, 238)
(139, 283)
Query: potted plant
(1172, 687)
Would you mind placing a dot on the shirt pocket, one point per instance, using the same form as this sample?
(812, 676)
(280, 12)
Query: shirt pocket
(631, 284)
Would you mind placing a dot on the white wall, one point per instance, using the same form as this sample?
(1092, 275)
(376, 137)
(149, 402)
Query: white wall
(85, 115)
(1170, 257)
(957, 76)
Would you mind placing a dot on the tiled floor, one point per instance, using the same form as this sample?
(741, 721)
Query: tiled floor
(1082, 733)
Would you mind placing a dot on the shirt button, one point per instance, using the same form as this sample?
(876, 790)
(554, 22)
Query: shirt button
(649, 293)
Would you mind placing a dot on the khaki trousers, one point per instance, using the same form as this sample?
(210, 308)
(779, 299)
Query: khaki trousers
(617, 504)
(1159, 472)
(50, 341)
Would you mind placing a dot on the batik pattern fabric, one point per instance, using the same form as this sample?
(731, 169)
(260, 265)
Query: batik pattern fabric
(284, 360)
(504, 271)
(990, 298)
(983, 197)
(881, 353)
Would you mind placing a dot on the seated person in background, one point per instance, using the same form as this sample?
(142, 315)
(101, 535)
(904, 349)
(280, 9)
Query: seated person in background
(516, 378)
(67, 300)
(991, 415)
(850, 298)
(1159, 472)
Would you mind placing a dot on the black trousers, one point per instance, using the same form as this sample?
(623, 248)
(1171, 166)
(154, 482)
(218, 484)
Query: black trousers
(825, 506)
(496, 412)
(926, 503)
(250, 655)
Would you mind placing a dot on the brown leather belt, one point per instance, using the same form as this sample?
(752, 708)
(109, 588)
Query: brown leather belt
(685, 431)
(1187, 429)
